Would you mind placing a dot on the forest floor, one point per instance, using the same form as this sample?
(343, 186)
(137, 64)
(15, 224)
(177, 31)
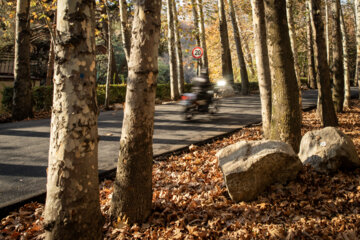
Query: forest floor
(190, 200)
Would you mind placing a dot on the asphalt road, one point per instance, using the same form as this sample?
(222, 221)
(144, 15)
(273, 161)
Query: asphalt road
(24, 145)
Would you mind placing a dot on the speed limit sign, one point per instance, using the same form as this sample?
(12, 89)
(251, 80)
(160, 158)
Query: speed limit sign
(197, 52)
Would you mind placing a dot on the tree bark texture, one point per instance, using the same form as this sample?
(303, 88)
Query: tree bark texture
(51, 61)
(201, 22)
(325, 106)
(262, 62)
(179, 57)
(285, 118)
(110, 73)
(310, 51)
(125, 29)
(133, 185)
(240, 54)
(226, 63)
(346, 60)
(22, 107)
(174, 87)
(72, 209)
(338, 65)
(357, 70)
(327, 31)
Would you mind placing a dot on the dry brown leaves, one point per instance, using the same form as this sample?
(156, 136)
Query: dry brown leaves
(190, 200)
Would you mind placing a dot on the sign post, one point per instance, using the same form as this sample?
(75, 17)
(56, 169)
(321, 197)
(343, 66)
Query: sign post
(197, 53)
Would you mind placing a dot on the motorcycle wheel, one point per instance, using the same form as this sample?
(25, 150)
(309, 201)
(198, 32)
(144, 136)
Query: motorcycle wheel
(213, 107)
(188, 114)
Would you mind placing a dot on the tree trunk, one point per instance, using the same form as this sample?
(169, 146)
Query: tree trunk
(109, 74)
(204, 58)
(133, 185)
(310, 51)
(174, 87)
(327, 31)
(72, 209)
(196, 31)
(292, 34)
(338, 65)
(22, 107)
(179, 57)
(285, 118)
(262, 63)
(248, 56)
(325, 106)
(357, 70)
(51, 61)
(226, 63)
(346, 60)
(240, 54)
(125, 29)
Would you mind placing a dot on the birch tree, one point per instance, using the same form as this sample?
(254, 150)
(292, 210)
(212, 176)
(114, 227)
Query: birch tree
(22, 107)
(109, 74)
(285, 118)
(346, 60)
(310, 50)
(133, 184)
(262, 63)
(72, 209)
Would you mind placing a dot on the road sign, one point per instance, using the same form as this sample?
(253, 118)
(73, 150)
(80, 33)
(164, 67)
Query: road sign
(197, 52)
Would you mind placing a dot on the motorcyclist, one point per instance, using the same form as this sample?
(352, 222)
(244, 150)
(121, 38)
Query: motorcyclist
(201, 86)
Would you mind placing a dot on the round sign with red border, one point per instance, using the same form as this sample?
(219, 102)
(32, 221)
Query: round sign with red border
(197, 52)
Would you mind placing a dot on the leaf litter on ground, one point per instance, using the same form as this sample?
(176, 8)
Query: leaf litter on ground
(190, 200)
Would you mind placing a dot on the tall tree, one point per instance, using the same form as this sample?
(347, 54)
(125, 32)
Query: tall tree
(338, 65)
(72, 209)
(327, 23)
(357, 70)
(240, 54)
(125, 28)
(201, 22)
(174, 87)
(22, 107)
(179, 57)
(196, 31)
(110, 50)
(226, 63)
(262, 63)
(133, 185)
(325, 106)
(285, 118)
(310, 50)
(346, 60)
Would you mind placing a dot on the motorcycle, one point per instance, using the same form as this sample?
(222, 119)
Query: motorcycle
(197, 103)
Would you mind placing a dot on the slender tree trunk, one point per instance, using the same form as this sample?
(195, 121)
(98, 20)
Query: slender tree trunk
(327, 31)
(285, 118)
(325, 106)
(226, 63)
(72, 209)
(179, 57)
(22, 107)
(110, 58)
(262, 62)
(196, 31)
(125, 29)
(133, 185)
(357, 70)
(346, 60)
(174, 87)
(204, 59)
(338, 65)
(240, 54)
(51, 61)
(248, 56)
(310, 51)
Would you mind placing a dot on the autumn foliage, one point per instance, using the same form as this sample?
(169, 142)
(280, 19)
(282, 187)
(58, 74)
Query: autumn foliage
(190, 200)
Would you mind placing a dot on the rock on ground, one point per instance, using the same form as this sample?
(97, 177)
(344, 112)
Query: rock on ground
(328, 150)
(249, 167)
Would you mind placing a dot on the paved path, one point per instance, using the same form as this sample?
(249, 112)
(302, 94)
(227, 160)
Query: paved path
(24, 145)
